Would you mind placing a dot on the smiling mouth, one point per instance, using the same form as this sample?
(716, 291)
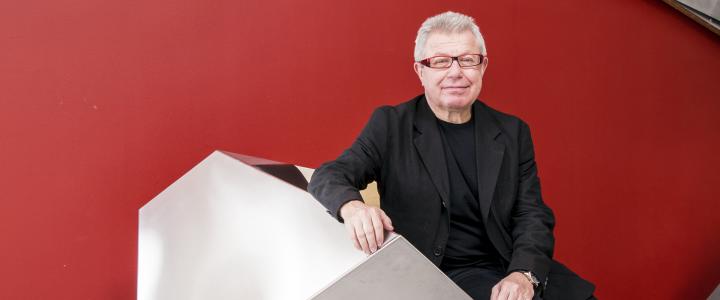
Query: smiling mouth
(455, 88)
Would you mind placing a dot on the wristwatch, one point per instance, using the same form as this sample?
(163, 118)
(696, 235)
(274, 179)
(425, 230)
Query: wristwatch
(531, 277)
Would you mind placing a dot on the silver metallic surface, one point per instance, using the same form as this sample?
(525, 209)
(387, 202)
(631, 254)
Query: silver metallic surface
(397, 271)
(707, 7)
(228, 230)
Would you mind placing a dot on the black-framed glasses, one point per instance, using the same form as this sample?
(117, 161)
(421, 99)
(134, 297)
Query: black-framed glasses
(444, 61)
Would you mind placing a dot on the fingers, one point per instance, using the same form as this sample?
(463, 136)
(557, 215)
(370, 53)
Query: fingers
(366, 226)
(351, 232)
(387, 223)
(370, 233)
(378, 228)
(361, 237)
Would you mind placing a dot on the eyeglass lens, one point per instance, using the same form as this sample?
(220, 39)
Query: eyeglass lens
(468, 60)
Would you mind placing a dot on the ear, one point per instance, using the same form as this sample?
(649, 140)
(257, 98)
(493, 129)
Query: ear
(418, 70)
(484, 65)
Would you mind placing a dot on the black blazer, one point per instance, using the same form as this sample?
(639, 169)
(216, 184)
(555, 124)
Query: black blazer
(401, 149)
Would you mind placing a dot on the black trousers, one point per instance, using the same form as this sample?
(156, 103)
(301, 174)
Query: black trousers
(477, 281)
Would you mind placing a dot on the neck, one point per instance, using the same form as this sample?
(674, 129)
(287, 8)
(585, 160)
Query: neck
(452, 116)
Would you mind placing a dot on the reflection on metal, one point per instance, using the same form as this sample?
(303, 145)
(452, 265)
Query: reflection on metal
(705, 12)
(238, 227)
(715, 294)
(709, 8)
(227, 230)
(287, 172)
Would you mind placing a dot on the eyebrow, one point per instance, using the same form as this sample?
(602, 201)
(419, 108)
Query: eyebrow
(445, 54)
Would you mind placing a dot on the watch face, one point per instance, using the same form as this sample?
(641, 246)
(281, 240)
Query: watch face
(535, 282)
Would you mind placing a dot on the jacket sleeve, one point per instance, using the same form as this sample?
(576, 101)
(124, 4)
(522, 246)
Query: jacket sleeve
(336, 182)
(533, 221)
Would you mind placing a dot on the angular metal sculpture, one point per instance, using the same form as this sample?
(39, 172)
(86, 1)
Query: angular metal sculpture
(239, 227)
(396, 271)
(704, 12)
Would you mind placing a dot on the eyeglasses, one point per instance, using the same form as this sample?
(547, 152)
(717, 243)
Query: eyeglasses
(444, 61)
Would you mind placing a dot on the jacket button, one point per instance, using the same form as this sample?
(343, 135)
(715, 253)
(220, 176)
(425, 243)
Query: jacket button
(437, 251)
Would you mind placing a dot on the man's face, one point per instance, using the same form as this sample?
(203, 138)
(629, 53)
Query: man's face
(453, 89)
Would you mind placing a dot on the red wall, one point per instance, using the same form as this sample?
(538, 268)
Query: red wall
(105, 103)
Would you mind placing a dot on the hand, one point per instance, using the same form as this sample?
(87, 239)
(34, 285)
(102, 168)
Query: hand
(513, 287)
(365, 225)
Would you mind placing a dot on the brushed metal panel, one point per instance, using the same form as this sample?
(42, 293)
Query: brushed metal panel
(397, 271)
(707, 7)
(239, 227)
(226, 230)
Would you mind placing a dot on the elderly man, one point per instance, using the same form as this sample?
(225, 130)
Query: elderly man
(457, 178)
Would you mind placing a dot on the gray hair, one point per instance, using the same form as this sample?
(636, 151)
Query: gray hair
(447, 22)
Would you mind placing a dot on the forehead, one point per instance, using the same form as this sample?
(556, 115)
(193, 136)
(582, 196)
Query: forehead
(450, 43)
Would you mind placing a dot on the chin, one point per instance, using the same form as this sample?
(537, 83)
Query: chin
(456, 103)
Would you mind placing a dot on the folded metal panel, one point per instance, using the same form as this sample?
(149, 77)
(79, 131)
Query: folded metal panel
(239, 227)
(227, 230)
(397, 271)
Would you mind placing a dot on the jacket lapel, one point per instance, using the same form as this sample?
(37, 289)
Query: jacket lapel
(489, 156)
(429, 145)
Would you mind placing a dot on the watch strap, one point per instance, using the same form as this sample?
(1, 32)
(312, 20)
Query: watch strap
(530, 277)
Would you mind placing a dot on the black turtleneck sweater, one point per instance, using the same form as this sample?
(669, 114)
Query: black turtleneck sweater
(468, 244)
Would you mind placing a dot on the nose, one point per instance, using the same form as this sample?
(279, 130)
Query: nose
(454, 70)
